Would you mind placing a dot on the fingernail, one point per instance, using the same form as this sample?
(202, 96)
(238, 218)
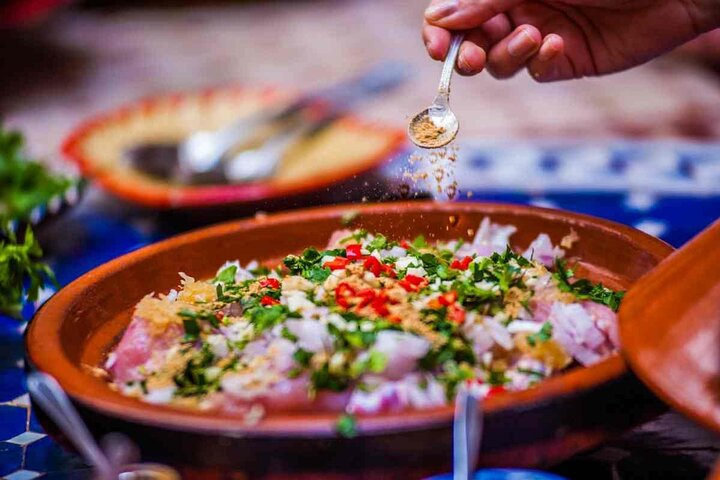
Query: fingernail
(547, 52)
(521, 45)
(441, 10)
(463, 64)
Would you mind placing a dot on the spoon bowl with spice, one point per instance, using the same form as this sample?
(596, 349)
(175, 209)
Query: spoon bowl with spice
(437, 125)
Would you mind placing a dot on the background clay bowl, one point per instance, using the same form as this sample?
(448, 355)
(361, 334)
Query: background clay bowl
(348, 148)
(670, 326)
(571, 412)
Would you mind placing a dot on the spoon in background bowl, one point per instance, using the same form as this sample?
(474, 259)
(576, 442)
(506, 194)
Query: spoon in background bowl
(437, 125)
(199, 157)
(48, 393)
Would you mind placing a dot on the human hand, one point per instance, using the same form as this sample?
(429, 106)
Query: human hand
(558, 40)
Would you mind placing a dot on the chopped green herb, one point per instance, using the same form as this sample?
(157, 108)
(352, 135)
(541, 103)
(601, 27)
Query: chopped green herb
(377, 243)
(419, 242)
(543, 335)
(347, 426)
(584, 289)
(308, 264)
(302, 357)
(192, 329)
(289, 335)
(227, 275)
(356, 236)
(374, 363)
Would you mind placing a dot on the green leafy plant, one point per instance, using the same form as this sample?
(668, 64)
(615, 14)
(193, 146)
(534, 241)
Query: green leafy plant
(24, 183)
(22, 273)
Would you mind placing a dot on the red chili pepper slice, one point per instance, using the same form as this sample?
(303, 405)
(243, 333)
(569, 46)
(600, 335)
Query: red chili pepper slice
(456, 313)
(448, 298)
(373, 264)
(338, 263)
(366, 297)
(353, 251)
(267, 301)
(496, 389)
(413, 283)
(404, 244)
(343, 293)
(461, 264)
(379, 304)
(270, 283)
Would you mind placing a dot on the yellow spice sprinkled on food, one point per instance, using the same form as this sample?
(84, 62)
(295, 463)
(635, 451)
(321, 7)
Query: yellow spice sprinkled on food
(549, 351)
(196, 292)
(159, 313)
(569, 240)
(514, 299)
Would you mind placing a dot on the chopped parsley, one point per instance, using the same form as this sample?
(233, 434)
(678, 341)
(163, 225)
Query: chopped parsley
(227, 275)
(309, 265)
(346, 426)
(584, 289)
(543, 335)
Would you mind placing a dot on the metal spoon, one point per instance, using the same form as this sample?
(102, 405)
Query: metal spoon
(46, 391)
(467, 433)
(437, 125)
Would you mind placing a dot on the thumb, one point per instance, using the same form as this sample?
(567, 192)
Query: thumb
(465, 14)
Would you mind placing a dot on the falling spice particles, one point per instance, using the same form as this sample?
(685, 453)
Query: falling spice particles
(433, 170)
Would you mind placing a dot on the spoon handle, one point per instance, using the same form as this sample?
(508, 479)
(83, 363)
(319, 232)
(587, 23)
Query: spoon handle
(467, 434)
(449, 64)
(49, 394)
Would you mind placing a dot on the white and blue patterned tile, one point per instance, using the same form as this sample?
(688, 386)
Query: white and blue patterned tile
(23, 475)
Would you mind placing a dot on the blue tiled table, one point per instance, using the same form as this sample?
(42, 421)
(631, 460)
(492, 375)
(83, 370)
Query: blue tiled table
(671, 190)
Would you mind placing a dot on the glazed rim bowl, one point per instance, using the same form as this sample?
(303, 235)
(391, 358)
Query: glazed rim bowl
(74, 330)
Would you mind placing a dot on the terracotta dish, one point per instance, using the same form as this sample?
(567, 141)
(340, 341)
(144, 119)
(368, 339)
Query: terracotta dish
(568, 413)
(670, 326)
(346, 149)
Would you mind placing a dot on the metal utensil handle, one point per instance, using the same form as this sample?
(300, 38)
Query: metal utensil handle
(46, 391)
(378, 79)
(467, 432)
(340, 96)
(449, 64)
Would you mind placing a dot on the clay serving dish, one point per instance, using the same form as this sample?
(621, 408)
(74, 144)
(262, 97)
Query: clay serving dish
(564, 415)
(670, 326)
(342, 152)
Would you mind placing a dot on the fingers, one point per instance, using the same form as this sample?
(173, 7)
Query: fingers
(513, 52)
(437, 41)
(471, 59)
(472, 56)
(550, 63)
(465, 14)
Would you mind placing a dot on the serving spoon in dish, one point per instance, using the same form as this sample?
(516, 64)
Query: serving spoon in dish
(48, 393)
(437, 125)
